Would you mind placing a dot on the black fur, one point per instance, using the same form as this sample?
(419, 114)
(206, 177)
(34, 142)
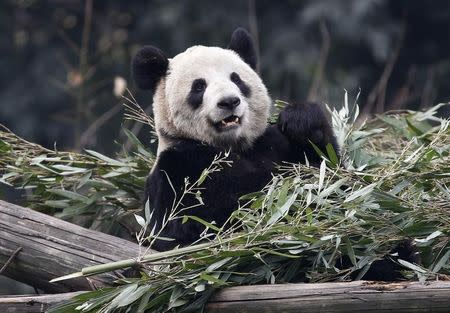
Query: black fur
(149, 65)
(242, 43)
(387, 268)
(313, 126)
(195, 97)
(250, 171)
(243, 87)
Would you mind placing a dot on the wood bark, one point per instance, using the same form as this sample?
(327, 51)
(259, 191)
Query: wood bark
(52, 248)
(358, 296)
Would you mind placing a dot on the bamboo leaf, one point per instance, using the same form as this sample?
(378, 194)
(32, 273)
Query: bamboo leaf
(411, 266)
(360, 193)
(201, 221)
(106, 159)
(442, 262)
(71, 195)
(322, 170)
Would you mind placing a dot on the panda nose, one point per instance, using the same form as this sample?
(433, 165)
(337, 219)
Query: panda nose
(229, 103)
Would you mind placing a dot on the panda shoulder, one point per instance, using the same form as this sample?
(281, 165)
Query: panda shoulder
(271, 138)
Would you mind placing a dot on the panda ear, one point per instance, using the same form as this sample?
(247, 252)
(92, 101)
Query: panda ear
(242, 43)
(148, 66)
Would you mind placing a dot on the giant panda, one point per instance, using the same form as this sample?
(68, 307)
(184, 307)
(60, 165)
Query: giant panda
(209, 101)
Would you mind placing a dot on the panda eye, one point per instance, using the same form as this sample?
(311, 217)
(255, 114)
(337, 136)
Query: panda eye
(235, 78)
(198, 85)
(243, 87)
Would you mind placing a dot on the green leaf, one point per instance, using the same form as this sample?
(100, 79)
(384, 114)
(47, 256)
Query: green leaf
(361, 192)
(4, 147)
(442, 261)
(212, 279)
(84, 179)
(132, 296)
(332, 155)
(416, 130)
(411, 266)
(201, 221)
(133, 139)
(123, 298)
(218, 264)
(140, 220)
(106, 159)
(350, 251)
(283, 210)
(322, 170)
(71, 195)
(318, 151)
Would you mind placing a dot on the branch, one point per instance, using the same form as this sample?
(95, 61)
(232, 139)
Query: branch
(320, 69)
(89, 133)
(253, 25)
(379, 91)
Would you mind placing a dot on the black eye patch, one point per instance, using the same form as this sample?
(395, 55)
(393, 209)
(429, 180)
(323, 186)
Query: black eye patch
(243, 87)
(195, 97)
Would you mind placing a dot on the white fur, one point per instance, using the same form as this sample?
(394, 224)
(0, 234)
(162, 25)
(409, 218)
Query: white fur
(174, 116)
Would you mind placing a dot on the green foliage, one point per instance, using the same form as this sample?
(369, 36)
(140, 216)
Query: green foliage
(393, 183)
(90, 189)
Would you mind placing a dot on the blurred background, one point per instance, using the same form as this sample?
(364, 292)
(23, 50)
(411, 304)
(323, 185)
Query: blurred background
(60, 58)
(64, 63)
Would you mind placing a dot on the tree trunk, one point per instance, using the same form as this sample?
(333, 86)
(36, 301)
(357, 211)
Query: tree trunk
(52, 248)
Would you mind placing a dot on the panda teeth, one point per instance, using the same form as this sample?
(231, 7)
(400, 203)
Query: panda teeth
(232, 122)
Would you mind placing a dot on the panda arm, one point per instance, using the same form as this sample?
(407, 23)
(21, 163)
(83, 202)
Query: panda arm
(302, 124)
(166, 184)
(220, 191)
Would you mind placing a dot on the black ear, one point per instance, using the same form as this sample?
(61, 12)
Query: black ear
(148, 66)
(242, 43)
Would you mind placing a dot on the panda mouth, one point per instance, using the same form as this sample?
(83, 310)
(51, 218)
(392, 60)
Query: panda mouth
(229, 122)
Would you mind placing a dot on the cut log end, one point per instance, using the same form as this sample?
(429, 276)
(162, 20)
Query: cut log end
(52, 248)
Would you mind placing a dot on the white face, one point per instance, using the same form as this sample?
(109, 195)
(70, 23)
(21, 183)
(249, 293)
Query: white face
(210, 94)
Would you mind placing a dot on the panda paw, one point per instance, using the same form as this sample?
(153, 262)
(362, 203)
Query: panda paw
(388, 269)
(304, 123)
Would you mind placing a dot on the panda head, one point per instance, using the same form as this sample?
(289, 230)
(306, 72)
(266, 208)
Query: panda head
(208, 94)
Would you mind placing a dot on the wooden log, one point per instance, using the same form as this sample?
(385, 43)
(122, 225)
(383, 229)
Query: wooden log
(358, 296)
(52, 248)
(32, 304)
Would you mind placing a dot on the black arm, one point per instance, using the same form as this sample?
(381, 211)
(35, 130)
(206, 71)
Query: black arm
(165, 186)
(302, 124)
